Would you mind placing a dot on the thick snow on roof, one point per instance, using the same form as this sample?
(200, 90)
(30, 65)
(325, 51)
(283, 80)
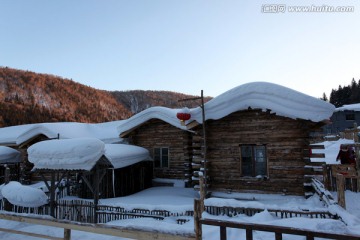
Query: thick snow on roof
(166, 114)
(349, 107)
(16, 135)
(257, 95)
(122, 155)
(9, 155)
(267, 96)
(69, 154)
(24, 196)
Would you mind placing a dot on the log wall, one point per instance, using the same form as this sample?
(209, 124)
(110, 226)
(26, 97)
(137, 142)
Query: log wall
(284, 138)
(155, 134)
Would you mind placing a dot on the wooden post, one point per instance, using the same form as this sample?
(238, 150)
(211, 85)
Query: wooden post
(340, 184)
(325, 177)
(7, 204)
(357, 164)
(204, 139)
(52, 194)
(356, 137)
(222, 233)
(197, 217)
(202, 192)
(67, 234)
(96, 192)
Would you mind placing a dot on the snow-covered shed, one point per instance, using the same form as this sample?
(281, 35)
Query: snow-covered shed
(256, 137)
(90, 157)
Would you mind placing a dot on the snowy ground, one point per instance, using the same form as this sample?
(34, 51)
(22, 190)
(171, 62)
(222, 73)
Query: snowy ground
(178, 199)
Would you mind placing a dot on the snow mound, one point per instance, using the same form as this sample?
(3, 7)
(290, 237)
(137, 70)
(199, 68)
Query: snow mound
(165, 114)
(64, 130)
(69, 154)
(349, 107)
(9, 155)
(267, 96)
(24, 196)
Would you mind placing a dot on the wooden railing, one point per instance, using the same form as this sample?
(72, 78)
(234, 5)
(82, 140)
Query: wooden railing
(86, 227)
(277, 230)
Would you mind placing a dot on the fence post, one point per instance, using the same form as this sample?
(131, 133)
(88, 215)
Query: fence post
(222, 233)
(67, 234)
(197, 216)
(325, 177)
(202, 192)
(7, 204)
(340, 185)
(357, 163)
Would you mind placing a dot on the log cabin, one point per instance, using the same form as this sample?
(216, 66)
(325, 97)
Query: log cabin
(255, 137)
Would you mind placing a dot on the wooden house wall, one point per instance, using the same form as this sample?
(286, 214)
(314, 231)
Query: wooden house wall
(155, 134)
(284, 138)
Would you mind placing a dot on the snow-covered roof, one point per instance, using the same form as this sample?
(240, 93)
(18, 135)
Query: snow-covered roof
(16, 135)
(83, 154)
(9, 155)
(257, 95)
(123, 155)
(66, 154)
(267, 96)
(165, 114)
(349, 107)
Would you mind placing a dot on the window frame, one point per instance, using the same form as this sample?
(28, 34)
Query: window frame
(254, 162)
(160, 157)
(350, 116)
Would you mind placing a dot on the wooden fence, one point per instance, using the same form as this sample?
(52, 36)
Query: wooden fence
(277, 230)
(233, 211)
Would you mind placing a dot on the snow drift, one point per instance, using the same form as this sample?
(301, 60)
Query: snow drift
(24, 196)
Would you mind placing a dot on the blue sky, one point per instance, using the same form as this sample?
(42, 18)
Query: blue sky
(182, 45)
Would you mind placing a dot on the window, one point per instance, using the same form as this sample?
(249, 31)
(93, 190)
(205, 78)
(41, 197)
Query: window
(253, 160)
(161, 157)
(350, 116)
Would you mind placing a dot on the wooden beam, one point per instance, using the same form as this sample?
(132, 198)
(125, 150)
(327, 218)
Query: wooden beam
(116, 231)
(29, 234)
(88, 183)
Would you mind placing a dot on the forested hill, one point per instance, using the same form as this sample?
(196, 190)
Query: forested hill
(139, 100)
(28, 97)
(346, 95)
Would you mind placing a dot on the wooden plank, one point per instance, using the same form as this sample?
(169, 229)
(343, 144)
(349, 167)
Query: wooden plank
(29, 234)
(315, 146)
(317, 155)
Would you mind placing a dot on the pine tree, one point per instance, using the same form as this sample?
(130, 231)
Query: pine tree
(324, 97)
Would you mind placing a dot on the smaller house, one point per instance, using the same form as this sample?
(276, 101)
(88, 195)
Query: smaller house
(343, 118)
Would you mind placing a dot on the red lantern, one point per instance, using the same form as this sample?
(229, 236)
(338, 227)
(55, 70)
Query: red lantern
(183, 115)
